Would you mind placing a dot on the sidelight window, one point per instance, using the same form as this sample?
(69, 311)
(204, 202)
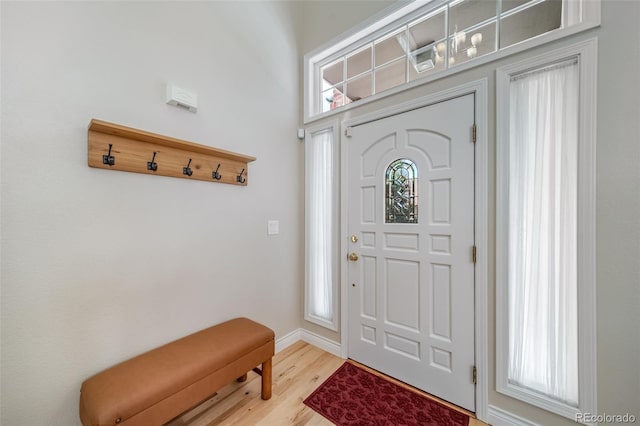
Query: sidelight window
(546, 231)
(321, 223)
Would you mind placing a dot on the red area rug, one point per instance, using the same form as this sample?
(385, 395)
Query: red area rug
(353, 396)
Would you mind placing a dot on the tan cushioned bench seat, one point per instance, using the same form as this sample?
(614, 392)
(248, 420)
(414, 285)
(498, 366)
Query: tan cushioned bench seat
(158, 385)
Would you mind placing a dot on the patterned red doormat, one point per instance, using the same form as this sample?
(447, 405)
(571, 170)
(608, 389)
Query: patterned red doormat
(353, 396)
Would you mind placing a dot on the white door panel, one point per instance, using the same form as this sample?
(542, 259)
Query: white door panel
(411, 311)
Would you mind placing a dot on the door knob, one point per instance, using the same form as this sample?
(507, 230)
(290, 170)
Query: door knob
(353, 257)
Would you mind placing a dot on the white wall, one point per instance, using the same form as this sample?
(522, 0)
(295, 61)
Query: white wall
(98, 266)
(618, 208)
(618, 197)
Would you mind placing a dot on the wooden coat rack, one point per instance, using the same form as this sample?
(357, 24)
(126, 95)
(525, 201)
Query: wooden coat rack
(115, 147)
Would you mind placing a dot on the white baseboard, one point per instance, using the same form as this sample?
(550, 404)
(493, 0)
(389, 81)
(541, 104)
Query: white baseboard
(309, 337)
(321, 342)
(499, 417)
(288, 340)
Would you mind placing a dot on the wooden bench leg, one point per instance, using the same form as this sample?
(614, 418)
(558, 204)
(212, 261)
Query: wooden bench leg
(266, 379)
(242, 378)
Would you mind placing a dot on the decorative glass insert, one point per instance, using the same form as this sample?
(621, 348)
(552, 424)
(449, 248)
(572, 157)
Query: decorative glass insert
(401, 200)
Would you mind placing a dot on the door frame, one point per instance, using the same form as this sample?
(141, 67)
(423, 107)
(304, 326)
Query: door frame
(480, 89)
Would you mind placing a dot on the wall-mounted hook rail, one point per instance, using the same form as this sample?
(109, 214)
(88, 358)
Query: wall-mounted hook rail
(152, 165)
(240, 179)
(134, 146)
(187, 170)
(215, 175)
(109, 159)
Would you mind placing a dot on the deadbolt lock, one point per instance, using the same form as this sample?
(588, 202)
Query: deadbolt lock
(354, 239)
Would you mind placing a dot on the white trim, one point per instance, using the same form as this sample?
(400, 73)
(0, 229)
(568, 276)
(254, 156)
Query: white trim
(482, 245)
(288, 339)
(480, 88)
(380, 20)
(344, 246)
(587, 52)
(380, 23)
(321, 342)
(375, 23)
(499, 417)
(311, 338)
(333, 323)
(423, 101)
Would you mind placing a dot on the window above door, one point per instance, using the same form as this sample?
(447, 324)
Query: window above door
(425, 41)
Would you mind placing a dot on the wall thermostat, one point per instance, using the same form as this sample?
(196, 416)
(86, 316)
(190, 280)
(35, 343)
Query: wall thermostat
(182, 98)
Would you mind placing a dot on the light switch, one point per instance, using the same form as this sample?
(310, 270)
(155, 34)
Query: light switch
(273, 227)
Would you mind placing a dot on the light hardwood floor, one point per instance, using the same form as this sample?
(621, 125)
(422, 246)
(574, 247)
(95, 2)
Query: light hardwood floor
(297, 371)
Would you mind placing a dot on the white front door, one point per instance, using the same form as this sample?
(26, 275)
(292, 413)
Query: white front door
(411, 227)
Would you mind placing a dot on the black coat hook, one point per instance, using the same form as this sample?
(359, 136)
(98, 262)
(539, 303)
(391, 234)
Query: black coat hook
(109, 159)
(239, 178)
(152, 165)
(187, 170)
(215, 175)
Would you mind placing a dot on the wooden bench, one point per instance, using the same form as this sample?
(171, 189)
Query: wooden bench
(157, 386)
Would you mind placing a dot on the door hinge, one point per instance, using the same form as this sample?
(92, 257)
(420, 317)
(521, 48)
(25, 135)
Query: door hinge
(474, 375)
(347, 132)
(474, 132)
(474, 254)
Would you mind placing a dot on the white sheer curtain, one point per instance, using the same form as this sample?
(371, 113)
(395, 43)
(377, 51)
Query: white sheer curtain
(543, 151)
(320, 227)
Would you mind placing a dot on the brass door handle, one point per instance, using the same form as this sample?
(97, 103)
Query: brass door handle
(353, 257)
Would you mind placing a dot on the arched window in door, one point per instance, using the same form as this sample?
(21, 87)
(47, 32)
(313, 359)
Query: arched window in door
(401, 192)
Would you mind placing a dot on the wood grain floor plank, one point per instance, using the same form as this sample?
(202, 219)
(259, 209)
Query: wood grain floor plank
(297, 371)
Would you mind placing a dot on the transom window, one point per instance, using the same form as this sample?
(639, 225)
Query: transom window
(401, 187)
(431, 41)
